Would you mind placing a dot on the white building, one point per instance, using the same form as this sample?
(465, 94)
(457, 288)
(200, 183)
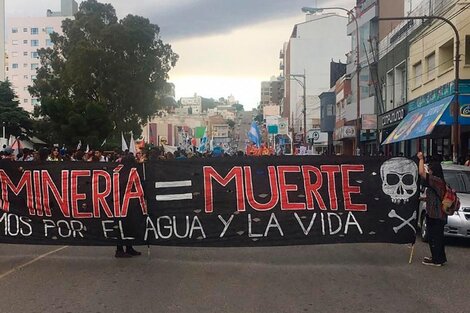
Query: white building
(311, 47)
(2, 40)
(26, 35)
(192, 104)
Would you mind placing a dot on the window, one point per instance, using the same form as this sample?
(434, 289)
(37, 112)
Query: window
(25, 42)
(418, 74)
(431, 66)
(14, 65)
(25, 30)
(14, 54)
(49, 30)
(400, 84)
(390, 90)
(34, 66)
(49, 43)
(25, 76)
(14, 30)
(14, 42)
(467, 49)
(34, 43)
(25, 100)
(33, 77)
(34, 31)
(35, 102)
(446, 56)
(25, 65)
(25, 53)
(35, 55)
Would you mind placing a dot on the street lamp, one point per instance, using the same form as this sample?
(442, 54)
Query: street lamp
(456, 105)
(310, 10)
(302, 83)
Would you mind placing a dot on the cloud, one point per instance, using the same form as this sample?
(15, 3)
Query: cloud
(209, 17)
(190, 18)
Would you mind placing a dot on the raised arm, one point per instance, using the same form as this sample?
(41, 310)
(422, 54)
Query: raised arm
(421, 170)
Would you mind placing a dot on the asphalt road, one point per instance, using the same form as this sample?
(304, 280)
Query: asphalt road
(325, 278)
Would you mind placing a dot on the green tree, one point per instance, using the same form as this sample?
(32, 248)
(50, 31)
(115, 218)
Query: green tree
(16, 120)
(238, 107)
(102, 76)
(207, 104)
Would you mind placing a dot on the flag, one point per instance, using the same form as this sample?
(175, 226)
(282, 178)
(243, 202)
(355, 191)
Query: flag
(254, 134)
(202, 145)
(87, 149)
(123, 143)
(104, 142)
(132, 145)
(79, 145)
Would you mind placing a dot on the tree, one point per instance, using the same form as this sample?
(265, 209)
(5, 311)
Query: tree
(102, 76)
(16, 120)
(238, 107)
(207, 104)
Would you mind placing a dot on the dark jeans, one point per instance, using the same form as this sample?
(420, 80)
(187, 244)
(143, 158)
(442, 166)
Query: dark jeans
(436, 239)
(121, 248)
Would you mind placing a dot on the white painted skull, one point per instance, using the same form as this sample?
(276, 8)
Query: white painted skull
(399, 179)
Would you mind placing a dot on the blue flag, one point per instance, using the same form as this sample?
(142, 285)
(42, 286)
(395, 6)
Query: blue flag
(254, 134)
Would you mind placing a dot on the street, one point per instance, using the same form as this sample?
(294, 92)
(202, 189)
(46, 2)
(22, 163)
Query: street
(321, 278)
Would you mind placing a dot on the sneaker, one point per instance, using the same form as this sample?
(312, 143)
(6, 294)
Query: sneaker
(133, 252)
(428, 261)
(122, 254)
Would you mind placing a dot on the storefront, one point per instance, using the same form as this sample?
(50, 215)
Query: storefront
(386, 124)
(347, 135)
(428, 128)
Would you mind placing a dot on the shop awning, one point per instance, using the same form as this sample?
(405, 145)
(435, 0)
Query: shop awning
(421, 122)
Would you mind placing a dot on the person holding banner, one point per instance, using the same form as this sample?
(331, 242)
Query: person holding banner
(435, 218)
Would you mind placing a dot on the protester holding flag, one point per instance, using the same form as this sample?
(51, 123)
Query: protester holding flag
(203, 144)
(254, 134)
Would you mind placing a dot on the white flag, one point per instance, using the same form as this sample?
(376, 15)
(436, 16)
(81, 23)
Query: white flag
(87, 149)
(123, 143)
(79, 145)
(132, 144)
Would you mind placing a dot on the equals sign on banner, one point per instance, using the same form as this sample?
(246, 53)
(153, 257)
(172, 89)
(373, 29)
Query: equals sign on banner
(174, 196)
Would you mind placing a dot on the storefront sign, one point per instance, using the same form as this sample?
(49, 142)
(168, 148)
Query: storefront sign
(345, 132)
(392, 117)
(369, 121)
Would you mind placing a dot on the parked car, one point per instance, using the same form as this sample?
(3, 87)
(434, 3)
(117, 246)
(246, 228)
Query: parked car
(458, 225)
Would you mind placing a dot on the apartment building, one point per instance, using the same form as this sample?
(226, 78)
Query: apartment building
(26, 35)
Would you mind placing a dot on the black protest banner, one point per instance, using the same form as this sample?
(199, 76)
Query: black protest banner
(210, 202)
(75, 203)
(281, 201)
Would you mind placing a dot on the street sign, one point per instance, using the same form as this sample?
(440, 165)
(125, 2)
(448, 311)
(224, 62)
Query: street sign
(283, 126)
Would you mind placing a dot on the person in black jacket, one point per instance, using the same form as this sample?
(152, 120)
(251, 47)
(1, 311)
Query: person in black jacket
(436, 219)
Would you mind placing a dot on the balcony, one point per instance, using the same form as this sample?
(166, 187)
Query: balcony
(281, 55)
(281, 66)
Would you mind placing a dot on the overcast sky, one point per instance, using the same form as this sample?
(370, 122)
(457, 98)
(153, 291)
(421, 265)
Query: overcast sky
(225, 46)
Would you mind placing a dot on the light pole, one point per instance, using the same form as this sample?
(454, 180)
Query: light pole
(310, 10)
(456, 105)
(304, 87)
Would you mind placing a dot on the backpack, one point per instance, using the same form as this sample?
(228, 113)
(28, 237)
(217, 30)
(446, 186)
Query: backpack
(450, 201)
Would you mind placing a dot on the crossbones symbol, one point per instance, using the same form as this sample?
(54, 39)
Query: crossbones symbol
(393, 214)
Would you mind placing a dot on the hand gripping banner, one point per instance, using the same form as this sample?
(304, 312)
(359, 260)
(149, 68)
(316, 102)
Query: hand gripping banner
(211, 202)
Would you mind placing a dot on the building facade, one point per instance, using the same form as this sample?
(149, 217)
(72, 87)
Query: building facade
(365, 87)
(26, 35)
(192, 104)
(306, 63)
(431, 81)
